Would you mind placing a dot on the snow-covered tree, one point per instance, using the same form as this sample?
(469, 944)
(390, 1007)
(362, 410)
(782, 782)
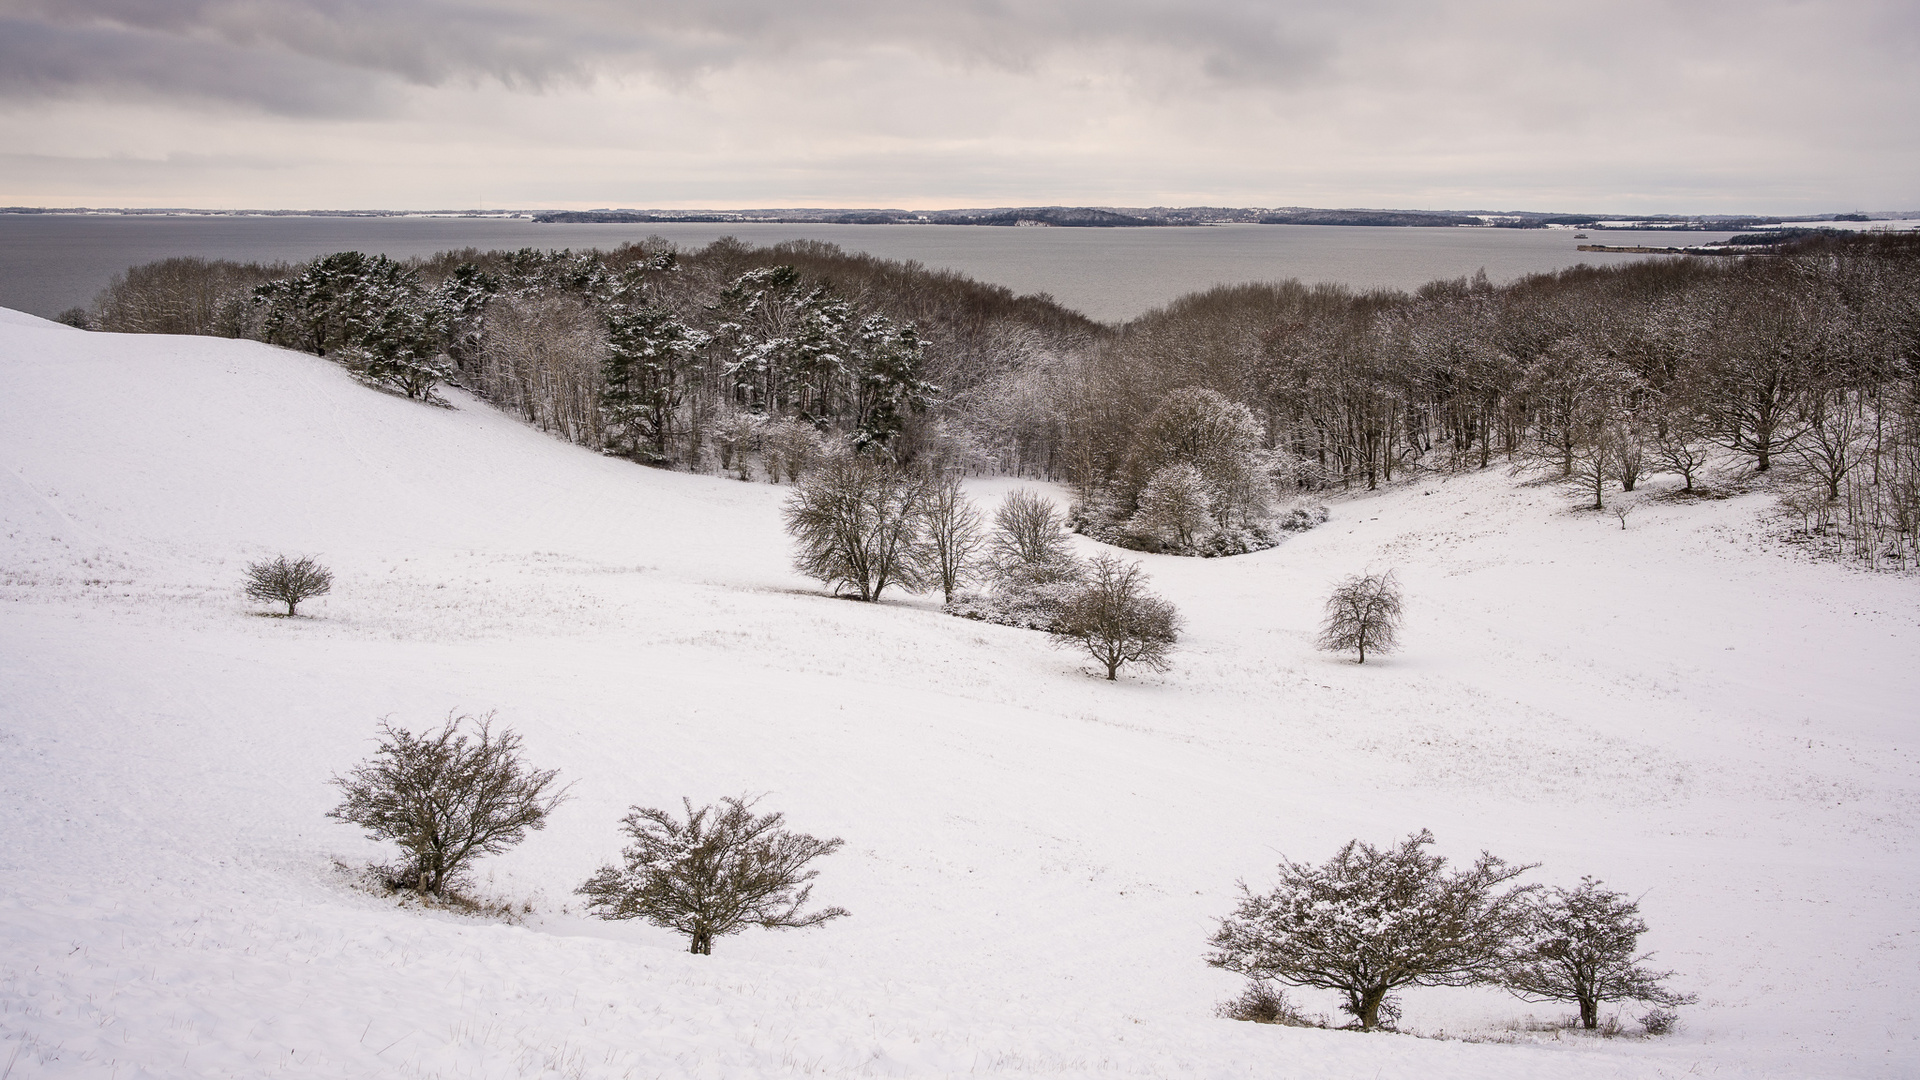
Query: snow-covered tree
(446, 798)
(1219, 438)
(1370, 921)
(1583, 946)
(649, 352)
(711, 872)
(1114, 619)
(1176, 506)
(1363, 613)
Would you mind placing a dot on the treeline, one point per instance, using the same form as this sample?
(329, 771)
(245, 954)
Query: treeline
(1176, 429)
(1806, 363)
(725, 358)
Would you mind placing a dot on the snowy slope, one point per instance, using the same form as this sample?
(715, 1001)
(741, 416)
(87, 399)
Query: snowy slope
(1034, 858)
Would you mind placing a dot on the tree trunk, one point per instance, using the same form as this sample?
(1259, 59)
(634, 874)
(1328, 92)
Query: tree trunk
(1370, 1008)
(1589, 1013)
(702, 943)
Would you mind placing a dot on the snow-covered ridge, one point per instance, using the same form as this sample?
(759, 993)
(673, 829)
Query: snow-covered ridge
(1034, 857)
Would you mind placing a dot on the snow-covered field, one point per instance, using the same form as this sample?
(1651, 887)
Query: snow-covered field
(1034, 856)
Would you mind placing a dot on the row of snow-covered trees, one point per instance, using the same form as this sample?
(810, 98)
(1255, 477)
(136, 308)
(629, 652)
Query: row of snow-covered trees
(1179, 428)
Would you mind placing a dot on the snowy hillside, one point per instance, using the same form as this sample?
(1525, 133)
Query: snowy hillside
(1034, 857)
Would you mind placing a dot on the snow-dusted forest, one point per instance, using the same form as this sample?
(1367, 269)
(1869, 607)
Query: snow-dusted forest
(1642, 538)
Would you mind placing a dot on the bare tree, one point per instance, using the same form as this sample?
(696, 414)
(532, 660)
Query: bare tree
(953, 532)
(446, 797)
(281, 580)
(856, 521)
(1679, 441)
(1116, 620)
(1027, 530)
(1583, 946)
(717, 872)
(1370, 921)
(1363, 613)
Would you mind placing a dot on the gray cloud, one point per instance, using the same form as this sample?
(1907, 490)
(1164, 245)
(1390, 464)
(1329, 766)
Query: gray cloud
(651, 102)
(533, 45)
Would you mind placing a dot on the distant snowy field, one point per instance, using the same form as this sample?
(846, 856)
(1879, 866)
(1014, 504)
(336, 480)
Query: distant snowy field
(1034, 857)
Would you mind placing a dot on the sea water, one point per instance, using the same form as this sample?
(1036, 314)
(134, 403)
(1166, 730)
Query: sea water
(52, 262)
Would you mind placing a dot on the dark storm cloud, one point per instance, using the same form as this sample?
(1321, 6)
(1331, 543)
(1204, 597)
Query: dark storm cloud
(301, 56)
(38, 60)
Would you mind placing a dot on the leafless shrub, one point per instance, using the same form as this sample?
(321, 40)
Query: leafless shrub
(720, 870)
(1660, 1022)
(446, 798)
(1263, 1003)
(281, 580)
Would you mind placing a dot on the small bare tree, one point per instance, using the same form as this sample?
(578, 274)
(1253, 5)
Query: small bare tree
(1583, 946)
(446, 798)
(953, 533)
(1372, 920)
(281, 580)
(1363, 613)
(1116, 620)
(717, 872)
(1027, 530)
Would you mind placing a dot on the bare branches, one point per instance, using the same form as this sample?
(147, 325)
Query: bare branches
(281, 580)
(1582, 946)
(856, 523)
(446, 798)
(1363, 613)
(718, 871)
(1116, 620)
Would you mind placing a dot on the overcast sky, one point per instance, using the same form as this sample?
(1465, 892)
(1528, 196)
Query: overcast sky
(1751, 106)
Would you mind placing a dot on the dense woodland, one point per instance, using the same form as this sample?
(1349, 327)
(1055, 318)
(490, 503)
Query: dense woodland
(1177, 429)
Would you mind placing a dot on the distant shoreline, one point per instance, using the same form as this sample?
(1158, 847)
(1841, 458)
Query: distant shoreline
(1053, 217)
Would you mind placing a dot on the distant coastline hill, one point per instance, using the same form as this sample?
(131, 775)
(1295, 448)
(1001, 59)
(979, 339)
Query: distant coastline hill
(1073, 217)
(1108, 217)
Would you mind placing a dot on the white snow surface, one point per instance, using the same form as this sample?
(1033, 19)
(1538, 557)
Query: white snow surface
(1034, 856)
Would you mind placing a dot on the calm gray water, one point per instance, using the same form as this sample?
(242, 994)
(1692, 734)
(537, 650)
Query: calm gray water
(49, 263)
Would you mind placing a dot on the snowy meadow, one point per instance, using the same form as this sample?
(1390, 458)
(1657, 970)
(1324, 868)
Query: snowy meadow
(1715, 722)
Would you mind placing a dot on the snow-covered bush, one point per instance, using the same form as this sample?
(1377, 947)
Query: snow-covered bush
(1115, 620)
(446, 798)
(281, 580)
(1583, 946)
(1370, 921)
(1363, 613)
(720, 870)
